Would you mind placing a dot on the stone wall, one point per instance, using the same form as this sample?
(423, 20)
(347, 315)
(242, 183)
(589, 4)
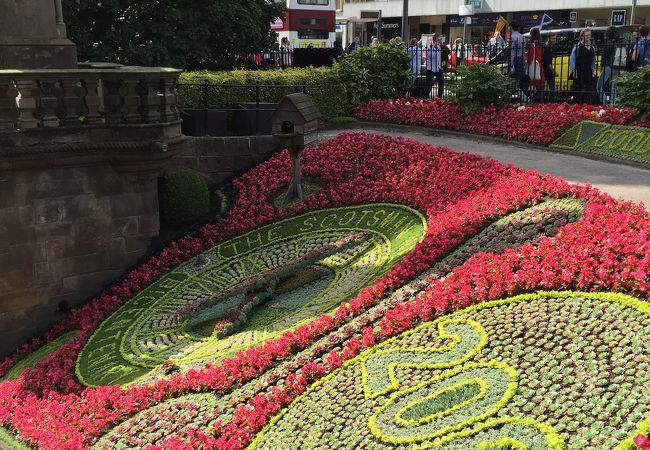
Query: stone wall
(73, 220)
(219, 158)
(66, 232)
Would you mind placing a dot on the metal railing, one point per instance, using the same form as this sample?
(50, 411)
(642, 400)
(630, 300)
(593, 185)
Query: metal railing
(547, 79)
(230, 109)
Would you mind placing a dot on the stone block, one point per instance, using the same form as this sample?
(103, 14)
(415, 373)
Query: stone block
(48, 210)
(44, 188)
(124, 226)
(25, 255)
(89, 284)
(149, 225)
(6, 263)
(81, 206)
(12, 231)
(134, 204)
(59, 247)
(216, 164)
(83, 264)
(104, 182)
(7, 192)
(26, 215)
(137, 245)
(185, 162)
(91, 229)
(46, 231)
(17, 279)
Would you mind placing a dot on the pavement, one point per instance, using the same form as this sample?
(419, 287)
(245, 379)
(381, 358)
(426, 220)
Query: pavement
(620, 180)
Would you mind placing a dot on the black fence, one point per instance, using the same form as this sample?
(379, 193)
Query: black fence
(548, 80)
(539, 73)
(299, 57)
(230, 109)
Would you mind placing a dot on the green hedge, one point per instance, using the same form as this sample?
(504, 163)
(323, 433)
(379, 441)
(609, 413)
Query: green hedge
(323, 86)
(184, 197)
(634, 89)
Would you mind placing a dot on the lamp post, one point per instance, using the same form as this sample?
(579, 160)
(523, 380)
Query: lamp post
(405, 22)
(633, 13)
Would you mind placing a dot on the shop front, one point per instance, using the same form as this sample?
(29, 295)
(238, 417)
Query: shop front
(477, 31)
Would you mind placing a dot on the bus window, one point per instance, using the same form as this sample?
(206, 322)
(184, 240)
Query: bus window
(307, 33)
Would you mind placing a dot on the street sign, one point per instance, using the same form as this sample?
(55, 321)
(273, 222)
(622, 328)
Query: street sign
(478, 4)
(618, 17)
(466, 10)
(573, 16)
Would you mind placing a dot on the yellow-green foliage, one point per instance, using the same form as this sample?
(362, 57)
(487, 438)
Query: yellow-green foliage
(323, 86)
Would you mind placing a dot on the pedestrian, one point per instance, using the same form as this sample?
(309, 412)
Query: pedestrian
(355, 44)
(444, 56)
(641, 52)
(613, 58)
(286, 54)
(547, 64)
(517, 53)
(434, 65)
(534, 65)
(459, 51)
(582, 63)
(492, 44)
(415, 53)
(374, 41)
(338, 50)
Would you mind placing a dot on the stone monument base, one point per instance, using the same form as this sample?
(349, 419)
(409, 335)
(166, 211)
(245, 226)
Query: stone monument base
(57, 54)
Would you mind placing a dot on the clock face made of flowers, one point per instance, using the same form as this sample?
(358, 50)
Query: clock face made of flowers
(249, 289)
(535, 371)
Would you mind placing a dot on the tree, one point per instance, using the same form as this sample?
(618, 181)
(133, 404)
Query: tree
(190, 34)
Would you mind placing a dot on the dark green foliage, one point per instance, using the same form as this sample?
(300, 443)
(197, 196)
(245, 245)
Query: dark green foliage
(188, 34)
(479, 86)
(381, 71)
(323, 86)
(634, 89)
(184, 197)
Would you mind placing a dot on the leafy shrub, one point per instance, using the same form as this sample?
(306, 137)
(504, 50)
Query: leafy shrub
(322, 84)
(634, 89)
(377, 72)
(184, 197)
(479, 86)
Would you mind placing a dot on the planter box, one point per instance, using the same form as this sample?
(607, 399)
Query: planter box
(252, 118)
(204, 122)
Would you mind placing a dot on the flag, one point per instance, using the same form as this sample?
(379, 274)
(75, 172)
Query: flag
(501, 23)
(546, 20)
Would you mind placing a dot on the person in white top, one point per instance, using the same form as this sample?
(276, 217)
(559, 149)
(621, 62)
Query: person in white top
(286, 53)
(415, 52)
(434, 66)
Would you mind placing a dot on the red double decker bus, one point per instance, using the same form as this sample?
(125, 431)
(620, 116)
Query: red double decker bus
(308, 22)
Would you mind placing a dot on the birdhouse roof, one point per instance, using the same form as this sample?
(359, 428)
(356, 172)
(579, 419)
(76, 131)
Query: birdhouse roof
(300, 103)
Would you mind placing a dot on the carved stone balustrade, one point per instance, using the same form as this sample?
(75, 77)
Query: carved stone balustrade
(101, 95)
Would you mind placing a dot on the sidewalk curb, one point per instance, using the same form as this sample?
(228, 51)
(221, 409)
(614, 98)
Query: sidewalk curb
(396, 128)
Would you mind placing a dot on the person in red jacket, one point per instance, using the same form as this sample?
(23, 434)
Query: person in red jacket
(534, 65)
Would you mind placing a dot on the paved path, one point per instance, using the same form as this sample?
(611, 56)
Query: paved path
(618, 180)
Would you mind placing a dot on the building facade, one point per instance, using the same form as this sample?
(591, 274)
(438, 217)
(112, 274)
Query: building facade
(359, 17)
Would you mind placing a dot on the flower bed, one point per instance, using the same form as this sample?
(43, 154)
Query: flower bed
(538, 123)
(631, 143)
(492, 232)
